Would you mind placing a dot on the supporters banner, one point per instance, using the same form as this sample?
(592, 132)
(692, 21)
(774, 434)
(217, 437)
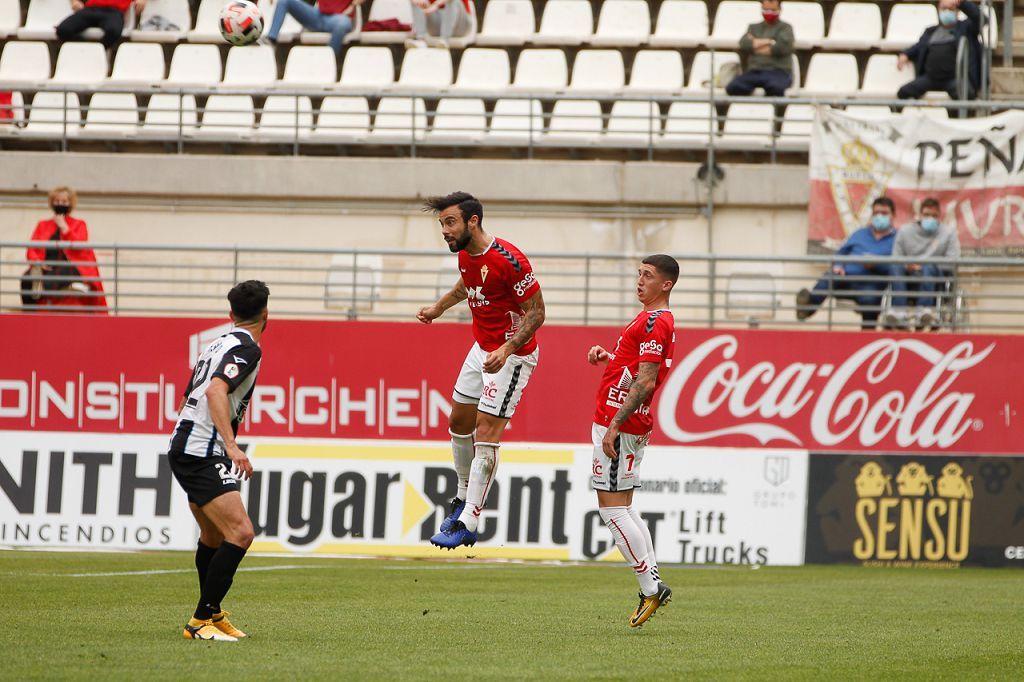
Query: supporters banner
(903, 511)
(842, 391)
(387, 498)
(973, 166)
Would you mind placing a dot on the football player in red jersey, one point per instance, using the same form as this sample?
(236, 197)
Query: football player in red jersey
(622, 423)
(508, 309)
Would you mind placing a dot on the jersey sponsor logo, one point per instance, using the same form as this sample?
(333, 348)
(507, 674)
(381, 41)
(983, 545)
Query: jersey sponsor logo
(651, 348)
(525, 283)
(231, 370)
(240, 361)
(477, 298)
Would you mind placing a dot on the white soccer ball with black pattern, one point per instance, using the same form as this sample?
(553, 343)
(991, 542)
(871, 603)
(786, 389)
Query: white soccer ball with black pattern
(241, 22)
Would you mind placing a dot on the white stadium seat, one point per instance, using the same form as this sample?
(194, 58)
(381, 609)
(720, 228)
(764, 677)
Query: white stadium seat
(541, 69)
(796, 126)
(42, 19)
(398, 117)
(688, 123)
(459, 120)
(517, 121)
(507, 22)
(656, 71)
(167, 114)
(387, 9)
(310, 66)
(354, 283)
(252, 66)
(731, 21)
(704, 69)
(138, 64)
(207, 22)
(808, 22)
(52, 115)
(832, 74)
(623, 23)
(343, 119)
(176, 12)
(367, 67)
(426, 68)
(636, 123)
(226, 116)
(598, 71)
(112, 115)
(195, 65)
(575, 122)
(484, 69)
(25, 62)
(681, 23)
(869, 111)
(882, 78)
(748, 125)
(10, 17)
(282, 114)
(906, 23)
(80, 64)
(565, 22)
(854, 26)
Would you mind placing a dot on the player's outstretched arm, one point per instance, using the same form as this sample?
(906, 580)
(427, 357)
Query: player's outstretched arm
(457, 294)
(597, 354)
(639, 392)
(220, 414)
(533, 318)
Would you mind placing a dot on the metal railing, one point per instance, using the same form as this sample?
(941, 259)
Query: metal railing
(980, 295)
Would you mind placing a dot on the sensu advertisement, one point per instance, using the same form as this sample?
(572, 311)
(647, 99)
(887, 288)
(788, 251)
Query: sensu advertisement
(379, 498)
(930, 511)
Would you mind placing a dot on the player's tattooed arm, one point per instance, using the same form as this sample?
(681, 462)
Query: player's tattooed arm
(533, 318)
(642, 388)
(456, 295)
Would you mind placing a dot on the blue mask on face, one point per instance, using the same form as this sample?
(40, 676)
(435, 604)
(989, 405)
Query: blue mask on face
(947, 17)
(930, 225)
(881, 222)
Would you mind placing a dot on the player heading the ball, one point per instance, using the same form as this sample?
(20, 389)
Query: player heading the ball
(622, 423)
(208, 463)
(508, 309)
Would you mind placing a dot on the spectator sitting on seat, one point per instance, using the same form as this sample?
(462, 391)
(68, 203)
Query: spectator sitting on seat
(768, 49)
(329, 16)
(858, 281)
(934, 55)
(61, 276)
(923, 238)
(107, 15)
(436, 21)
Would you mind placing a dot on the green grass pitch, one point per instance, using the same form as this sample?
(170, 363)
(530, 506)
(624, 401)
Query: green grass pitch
(389, 619)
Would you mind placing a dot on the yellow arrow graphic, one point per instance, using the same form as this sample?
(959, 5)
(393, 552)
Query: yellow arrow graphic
(414, 508)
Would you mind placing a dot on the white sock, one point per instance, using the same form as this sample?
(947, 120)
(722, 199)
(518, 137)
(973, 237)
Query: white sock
(481, 475)
(630, 541)
(652, 561)
(462, 453)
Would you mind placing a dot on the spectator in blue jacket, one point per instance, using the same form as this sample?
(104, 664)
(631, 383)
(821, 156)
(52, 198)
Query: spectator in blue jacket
(864, 282)
(934, 55)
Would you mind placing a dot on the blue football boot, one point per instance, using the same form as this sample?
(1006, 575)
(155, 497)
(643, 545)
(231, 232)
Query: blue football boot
(456, 536)
(456, 508)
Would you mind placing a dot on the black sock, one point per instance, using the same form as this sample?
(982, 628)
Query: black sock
(203, 556)
(219, 575)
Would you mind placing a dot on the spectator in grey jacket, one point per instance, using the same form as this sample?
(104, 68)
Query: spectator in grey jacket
(923, 238)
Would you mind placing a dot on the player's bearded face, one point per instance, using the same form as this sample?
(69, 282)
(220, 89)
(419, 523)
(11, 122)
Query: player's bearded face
(457, 242)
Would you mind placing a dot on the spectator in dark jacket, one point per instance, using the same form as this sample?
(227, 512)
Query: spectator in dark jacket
(105, 14)
(768, 49)
(934, 55)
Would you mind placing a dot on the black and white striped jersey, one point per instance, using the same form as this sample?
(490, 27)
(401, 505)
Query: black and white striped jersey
(235, 359)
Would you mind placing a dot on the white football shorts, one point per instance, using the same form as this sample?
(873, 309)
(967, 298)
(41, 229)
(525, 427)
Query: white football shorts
(496, 394)
(616, 475)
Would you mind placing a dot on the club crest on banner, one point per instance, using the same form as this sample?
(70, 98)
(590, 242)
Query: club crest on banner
(856, 184)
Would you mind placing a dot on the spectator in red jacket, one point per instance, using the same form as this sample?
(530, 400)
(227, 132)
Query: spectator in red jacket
(73, 272)
(105, 14)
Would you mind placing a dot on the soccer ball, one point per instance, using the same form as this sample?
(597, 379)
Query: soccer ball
(241, 22)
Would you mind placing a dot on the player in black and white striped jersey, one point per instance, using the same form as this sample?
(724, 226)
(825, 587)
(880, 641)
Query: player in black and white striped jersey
(207, 461)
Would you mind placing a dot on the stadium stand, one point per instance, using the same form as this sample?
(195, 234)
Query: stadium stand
(681, 23)
(565, 22)
(507, 23)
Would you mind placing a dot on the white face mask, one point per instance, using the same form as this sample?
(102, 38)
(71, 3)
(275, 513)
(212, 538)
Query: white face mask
(947, 17)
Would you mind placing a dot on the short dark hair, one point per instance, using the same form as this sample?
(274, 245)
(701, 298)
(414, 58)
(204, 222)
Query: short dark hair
(468, 205)
(885, 201)
(931, 202)
(248, 299)
(666, 265)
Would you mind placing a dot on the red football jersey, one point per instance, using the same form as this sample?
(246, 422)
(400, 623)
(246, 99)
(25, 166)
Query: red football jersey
(650, 337)
(498, 280)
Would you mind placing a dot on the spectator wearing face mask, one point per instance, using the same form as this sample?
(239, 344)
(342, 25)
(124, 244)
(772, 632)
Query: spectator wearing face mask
(65, 278)
(934, 55)
(924, 238)
(863, 282)
(768, 49)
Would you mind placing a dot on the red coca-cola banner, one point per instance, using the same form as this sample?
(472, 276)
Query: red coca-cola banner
(815, 390)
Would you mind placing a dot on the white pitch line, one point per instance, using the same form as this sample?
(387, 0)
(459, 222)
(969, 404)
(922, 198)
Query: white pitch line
(166, 571)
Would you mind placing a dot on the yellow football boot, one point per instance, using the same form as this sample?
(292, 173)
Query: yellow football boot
(205, 629)
(648, 605)
(221, 622)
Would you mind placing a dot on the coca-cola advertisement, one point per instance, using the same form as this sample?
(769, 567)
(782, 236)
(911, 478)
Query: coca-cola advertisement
(911, 511)
(842, 391)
